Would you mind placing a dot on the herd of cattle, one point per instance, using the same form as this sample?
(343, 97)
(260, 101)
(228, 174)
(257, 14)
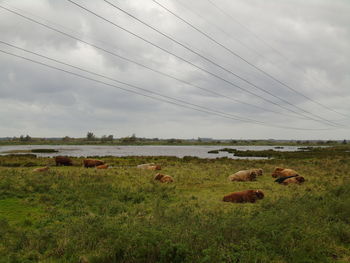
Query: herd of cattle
(284, 176)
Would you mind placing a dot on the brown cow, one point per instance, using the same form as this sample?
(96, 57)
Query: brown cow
(40, 170)
(294, 180)
(244, 196)
(284, 172)
(102, 166)
(163, 178)
(63, 160)
(92, 163)
(154, 167)
(244, 175)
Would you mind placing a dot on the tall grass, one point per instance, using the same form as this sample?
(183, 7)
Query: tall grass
(122, 215)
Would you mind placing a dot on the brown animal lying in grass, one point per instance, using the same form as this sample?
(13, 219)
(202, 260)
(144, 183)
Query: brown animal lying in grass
(163, 178)
(283, 172)
(40, 170)
(144, 165)
(294, 180)
(92, 163)
(154, 167)
(102, 166)
(244, 196)
(149, 166)
(244, 175)
(282, 179)
(63, 160)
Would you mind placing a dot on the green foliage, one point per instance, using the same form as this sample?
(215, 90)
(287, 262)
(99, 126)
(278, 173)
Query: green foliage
(121, 215)
(90, 136)
(106, 138)
(27, 138)
(303, 153)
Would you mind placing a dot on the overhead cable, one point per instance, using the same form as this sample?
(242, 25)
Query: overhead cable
(140, 64)
(244, 60)
(277, 52)
(209, 111)
(207, 59)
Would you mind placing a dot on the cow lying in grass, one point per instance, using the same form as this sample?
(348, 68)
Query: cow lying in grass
(244, 196)
(284, 172)
(149, 166)
(92, 163)
(63, 160)
(281, 179)
(102, 166)
(163, 178)
(245, 175)
(294, 180)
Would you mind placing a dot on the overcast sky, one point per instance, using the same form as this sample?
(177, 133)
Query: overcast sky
(304, 45)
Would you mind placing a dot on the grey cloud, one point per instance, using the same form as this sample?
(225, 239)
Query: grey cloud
(313, 35)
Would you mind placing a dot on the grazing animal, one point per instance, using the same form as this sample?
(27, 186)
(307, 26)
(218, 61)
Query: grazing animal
(102, 166)
(243, 176)
(294, 180)
(244, 196)
(163, 178)
(63, 160)
(92, 163)
(149, 166)
(284, 172)
(42, 169)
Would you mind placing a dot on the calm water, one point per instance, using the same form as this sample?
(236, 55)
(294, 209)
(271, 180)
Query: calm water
(178, 151)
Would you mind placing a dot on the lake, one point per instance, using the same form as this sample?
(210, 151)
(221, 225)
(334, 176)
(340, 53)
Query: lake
(159, 150)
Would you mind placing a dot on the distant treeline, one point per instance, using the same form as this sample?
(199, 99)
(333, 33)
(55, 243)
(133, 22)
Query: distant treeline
(92, 139)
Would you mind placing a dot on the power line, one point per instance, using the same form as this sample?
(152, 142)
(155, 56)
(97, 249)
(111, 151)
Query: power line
(140, 64)
(244, 26)
(279, 53)
(59, 31)
(107, 84)
(133, 86)
(243, 59)
(186, 7)
(120, 82)
(205, 58)
(208, 111)
(30, 19)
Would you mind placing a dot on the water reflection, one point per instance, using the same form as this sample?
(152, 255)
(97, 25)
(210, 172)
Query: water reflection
(163, 150)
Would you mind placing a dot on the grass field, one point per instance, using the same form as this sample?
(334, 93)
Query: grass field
(74, 214)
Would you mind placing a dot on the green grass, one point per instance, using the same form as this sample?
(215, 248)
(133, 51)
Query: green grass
(122, 215)
(18, 211)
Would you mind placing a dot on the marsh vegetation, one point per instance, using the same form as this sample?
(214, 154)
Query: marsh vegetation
(122, 215)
